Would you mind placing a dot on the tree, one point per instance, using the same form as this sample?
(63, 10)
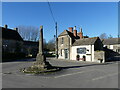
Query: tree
(44, 44)
(103, 36)
(29, 33)
(110, 36)
(51, 45)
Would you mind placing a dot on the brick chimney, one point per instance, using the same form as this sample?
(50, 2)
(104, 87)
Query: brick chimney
(71, 29)
(16, 29)
(5, 26)
(75, 32)
(81, 33)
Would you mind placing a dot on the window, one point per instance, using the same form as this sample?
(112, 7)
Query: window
(62, 40)
(118, 50)
(61, 52)
(81, 50)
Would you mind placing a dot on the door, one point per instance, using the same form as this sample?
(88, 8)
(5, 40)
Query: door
(66, 53)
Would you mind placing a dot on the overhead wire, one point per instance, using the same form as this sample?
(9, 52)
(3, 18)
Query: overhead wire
(51, 11)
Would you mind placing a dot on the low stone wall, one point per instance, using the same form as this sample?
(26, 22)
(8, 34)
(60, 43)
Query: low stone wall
(99, 56)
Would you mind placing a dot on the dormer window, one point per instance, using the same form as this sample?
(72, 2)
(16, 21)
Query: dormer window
(62, 40)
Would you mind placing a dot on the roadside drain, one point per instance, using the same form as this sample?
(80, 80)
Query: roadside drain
(7, 73)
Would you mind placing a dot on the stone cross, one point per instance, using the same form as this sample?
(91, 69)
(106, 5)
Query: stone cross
(41, 41)
(40, 59)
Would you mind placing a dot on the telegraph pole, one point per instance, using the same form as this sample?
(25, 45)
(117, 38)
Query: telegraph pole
(56, 42)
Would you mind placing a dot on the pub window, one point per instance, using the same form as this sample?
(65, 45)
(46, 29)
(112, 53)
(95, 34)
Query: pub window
(81, 50)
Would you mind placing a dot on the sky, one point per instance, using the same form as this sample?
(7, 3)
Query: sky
(95, 18)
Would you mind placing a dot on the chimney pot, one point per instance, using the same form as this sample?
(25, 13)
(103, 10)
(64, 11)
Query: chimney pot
(75, 33)
(81, 33)
(5, 26)
(75, 28)
(16, 29)
(71, 29)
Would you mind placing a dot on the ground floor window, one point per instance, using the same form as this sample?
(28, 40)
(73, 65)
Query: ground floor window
(81, 50)
(118, 50)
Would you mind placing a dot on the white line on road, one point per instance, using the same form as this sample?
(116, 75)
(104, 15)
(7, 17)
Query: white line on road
(101, 77)
(73, 73)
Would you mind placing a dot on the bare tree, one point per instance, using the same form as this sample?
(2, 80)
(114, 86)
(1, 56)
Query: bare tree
(51, 45)
(110, 36)
(29, 33)
(103, 36)
(44, 44)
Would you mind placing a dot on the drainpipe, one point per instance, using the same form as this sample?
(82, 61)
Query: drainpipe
(91, 52)
(69, 48)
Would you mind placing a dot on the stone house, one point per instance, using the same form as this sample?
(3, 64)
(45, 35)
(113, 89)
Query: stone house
(112, 44)
(11, 40)
(75, 46)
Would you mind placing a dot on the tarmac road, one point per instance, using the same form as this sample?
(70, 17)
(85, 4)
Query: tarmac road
(76, 74)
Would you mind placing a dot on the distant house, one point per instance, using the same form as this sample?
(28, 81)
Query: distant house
(113, 44)
(30, 48)
(11, 40)
(75, 46)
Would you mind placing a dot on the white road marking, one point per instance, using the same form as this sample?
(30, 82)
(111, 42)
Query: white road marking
(73, 73)
(102, 77)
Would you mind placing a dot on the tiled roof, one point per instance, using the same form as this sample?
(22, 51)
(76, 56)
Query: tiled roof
(85, 41)
(111, 41)
(10, 34)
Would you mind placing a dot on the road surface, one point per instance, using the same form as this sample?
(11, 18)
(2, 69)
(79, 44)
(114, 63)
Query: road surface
(75, 74)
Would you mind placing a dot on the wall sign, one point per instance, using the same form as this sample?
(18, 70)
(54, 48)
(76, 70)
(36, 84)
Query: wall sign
(81, 50)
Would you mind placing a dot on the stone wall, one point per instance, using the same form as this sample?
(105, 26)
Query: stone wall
(66, 45)
(99, 56)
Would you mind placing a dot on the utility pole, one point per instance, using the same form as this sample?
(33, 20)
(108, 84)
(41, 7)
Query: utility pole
(56, 42)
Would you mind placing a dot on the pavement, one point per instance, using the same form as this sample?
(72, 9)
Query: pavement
(75, 74)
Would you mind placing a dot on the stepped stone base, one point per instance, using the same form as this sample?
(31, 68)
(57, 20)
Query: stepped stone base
(40, 66)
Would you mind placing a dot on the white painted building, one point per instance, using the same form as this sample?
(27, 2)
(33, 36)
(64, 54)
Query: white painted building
(85, 49)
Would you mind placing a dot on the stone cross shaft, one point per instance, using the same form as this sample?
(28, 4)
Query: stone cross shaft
(40, 56)
(41, 62)
(41, 41)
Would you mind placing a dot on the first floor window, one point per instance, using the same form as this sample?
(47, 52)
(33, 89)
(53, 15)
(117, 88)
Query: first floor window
(62, 40)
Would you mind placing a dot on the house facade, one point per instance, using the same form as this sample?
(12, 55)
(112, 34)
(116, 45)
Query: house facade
(11, 40)
(75, 46)
(12, 43)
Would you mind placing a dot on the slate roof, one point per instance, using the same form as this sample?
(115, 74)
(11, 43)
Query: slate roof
(111, 41)
(85, 41)
(66, 32)
(10, 34)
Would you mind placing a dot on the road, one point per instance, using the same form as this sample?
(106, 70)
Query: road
(75, 74)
